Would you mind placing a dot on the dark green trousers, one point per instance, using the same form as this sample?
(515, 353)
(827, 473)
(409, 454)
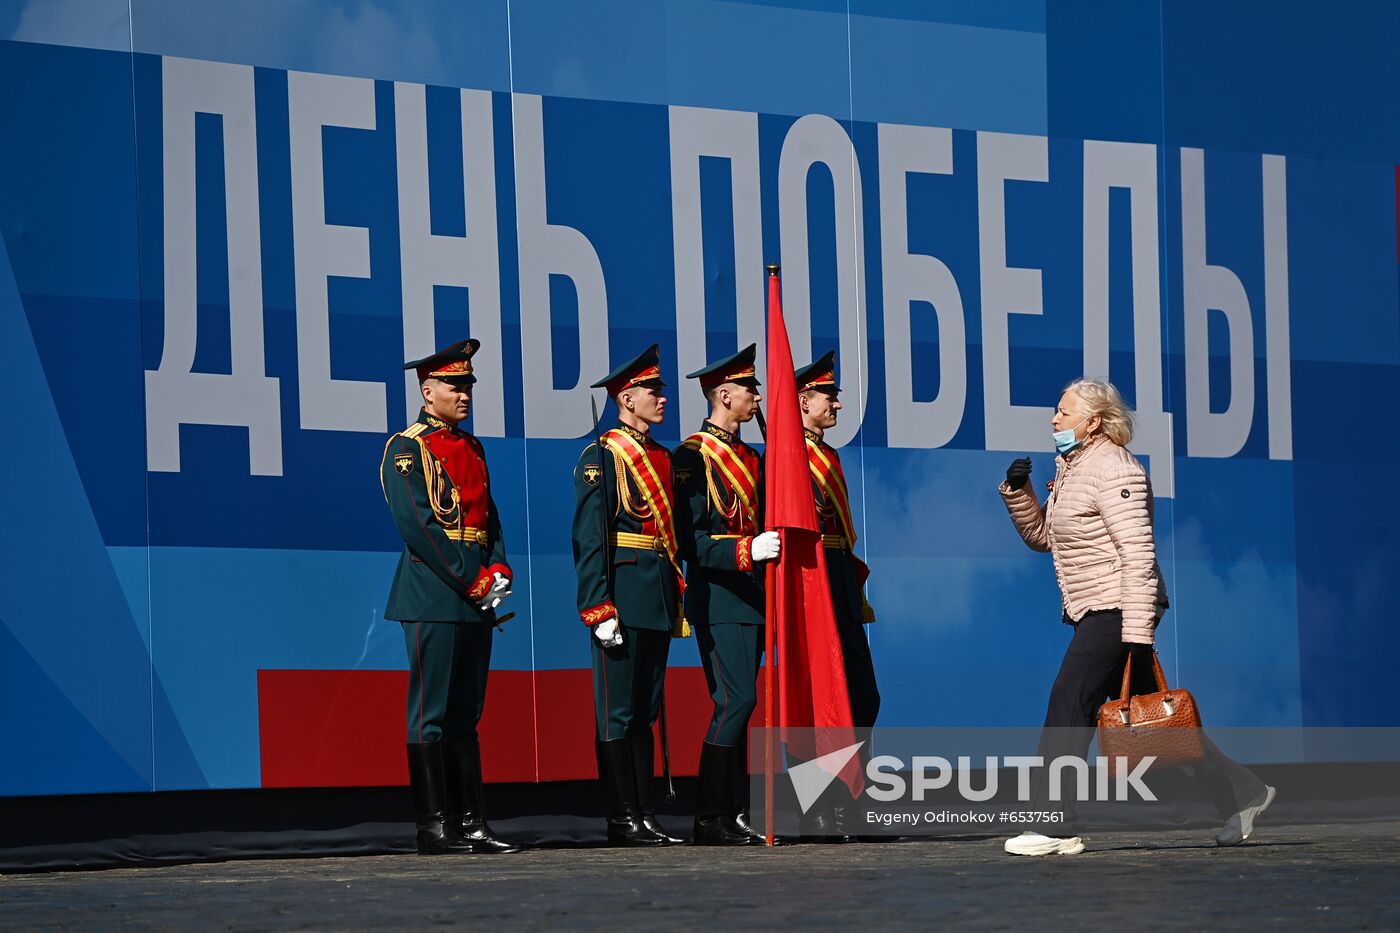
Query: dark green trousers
(447, 667)
(860, 675)
(627, 682)
(731, 655)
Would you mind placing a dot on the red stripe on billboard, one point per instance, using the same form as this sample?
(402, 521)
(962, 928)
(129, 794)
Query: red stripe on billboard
(347, 728)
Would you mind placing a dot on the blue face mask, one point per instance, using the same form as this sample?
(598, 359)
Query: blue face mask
(1065, 440)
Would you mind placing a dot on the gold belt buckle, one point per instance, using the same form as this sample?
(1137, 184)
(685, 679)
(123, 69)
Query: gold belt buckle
(481, 537)
(657, 544)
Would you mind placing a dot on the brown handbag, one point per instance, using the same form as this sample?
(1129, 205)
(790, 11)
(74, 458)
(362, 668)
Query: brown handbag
(1165, 724)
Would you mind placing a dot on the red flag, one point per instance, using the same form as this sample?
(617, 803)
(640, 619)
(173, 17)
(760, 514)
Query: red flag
(811, 672)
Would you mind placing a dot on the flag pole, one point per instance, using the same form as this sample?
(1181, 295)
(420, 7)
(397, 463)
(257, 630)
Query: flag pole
(771, 579)
(769, 616)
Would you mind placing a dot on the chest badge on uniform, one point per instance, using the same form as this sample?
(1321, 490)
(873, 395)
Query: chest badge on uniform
(592, 473)
(683, 477)
(1126, 494)
(403, 463)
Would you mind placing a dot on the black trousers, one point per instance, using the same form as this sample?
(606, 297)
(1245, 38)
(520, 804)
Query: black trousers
(1092, 672)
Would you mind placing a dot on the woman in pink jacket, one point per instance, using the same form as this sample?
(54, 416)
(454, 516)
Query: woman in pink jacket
(1097, 525)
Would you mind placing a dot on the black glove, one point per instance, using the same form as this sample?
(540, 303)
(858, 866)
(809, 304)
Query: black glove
(1018, 473)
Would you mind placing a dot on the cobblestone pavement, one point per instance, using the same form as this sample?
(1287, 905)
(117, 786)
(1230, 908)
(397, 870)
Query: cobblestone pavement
(1341, 876)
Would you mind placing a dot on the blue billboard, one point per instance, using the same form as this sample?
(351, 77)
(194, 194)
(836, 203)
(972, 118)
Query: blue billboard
(225, 227)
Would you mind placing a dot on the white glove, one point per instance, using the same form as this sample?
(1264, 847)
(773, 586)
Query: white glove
(765, 546)
(609, 633)
(500, 589)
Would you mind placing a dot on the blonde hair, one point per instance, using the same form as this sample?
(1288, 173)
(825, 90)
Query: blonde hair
(1104, 400)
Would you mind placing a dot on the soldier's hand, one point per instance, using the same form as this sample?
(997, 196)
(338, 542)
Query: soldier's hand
(502, 586)
(491, 601)
(765, 546)
(1018, 473)
(608, 633)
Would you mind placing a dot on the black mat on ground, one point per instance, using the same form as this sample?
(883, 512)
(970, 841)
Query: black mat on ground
(115, 830)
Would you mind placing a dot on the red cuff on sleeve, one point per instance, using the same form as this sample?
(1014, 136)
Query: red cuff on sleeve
(482, 586)
(742, 558)
(502, 569)
(599, 613)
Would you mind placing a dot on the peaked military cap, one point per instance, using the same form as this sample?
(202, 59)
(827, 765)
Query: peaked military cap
(736, 368)
(818, 375)
(453, 363)
(645, 369)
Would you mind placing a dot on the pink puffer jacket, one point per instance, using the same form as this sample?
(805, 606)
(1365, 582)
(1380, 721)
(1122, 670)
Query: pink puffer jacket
(1097, 525)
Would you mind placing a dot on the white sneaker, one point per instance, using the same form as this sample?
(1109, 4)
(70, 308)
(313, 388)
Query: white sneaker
(1036, 844)
(1238, 827)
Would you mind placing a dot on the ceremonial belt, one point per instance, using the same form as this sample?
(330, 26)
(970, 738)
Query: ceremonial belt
(835, 543)
(640, 542)
(737, 475)
(467, 535)
(832, 483)
(627, 449)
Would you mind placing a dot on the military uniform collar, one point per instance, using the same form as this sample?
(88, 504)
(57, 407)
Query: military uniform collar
(433, 421)
(639, 436)
(811, 435)
(709, 427)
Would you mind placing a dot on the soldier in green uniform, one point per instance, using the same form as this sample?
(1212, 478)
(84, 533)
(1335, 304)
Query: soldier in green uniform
(451, 576)
(719, 484)
(629, 590)
(818, 400)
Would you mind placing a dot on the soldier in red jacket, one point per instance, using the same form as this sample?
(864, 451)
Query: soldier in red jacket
(452, 575)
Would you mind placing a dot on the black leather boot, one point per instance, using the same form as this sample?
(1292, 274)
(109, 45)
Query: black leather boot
(436, 835)
(644, 759)
(822, 825)
(714, 800)
(738, 811)
(616, 772)
(461, 760)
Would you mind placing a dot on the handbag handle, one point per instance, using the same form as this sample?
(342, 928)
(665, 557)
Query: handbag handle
(1156, 672)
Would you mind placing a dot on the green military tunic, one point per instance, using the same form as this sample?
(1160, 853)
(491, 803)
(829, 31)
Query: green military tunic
(624, 573)
(437, 486)
(724, 593)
